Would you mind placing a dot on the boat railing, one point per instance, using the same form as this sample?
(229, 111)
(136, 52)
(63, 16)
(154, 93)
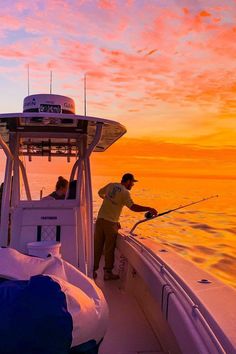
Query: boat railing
(5, 203)
(177, 286)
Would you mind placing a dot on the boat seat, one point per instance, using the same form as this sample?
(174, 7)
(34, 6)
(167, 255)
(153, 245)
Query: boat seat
(46, 220)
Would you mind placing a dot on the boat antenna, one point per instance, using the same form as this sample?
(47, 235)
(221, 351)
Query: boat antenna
(149, 216)
(28, 79)
(85, 97)
(50, 81)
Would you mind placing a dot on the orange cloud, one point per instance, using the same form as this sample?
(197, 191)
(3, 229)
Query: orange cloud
(150, 158)
(204, 14)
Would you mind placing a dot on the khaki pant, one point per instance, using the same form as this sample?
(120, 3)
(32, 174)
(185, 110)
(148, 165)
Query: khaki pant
(105, 235)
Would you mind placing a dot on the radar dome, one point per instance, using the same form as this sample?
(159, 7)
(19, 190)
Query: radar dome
(49, 103)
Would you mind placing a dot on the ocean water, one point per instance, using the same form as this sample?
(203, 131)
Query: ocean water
(204, 233)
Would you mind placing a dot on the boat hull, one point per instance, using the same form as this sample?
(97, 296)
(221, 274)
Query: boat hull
(184, 312)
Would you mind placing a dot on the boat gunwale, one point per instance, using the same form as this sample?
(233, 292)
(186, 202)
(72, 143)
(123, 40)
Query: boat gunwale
(199, 305)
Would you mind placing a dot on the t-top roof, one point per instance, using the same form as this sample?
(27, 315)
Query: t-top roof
(40, 125)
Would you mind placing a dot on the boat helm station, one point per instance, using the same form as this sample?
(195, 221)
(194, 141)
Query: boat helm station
(49, 127)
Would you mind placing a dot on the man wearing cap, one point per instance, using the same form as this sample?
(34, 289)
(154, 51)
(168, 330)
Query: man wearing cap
(115, 196)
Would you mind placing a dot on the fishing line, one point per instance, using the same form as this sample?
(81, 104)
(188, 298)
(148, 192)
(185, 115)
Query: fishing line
(150, 216)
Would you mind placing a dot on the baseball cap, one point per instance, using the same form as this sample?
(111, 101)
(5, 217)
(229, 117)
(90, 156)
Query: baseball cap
(128, 177)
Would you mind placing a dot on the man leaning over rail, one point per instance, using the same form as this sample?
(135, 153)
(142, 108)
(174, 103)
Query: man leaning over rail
(115, 196)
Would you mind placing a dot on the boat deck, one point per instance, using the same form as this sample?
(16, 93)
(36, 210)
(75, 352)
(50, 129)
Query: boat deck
(129, 331)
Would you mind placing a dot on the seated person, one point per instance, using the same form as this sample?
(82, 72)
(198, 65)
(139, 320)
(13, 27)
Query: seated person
(60, 190)
(72, 190)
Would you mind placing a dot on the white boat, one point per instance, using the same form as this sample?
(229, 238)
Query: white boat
(162, 302)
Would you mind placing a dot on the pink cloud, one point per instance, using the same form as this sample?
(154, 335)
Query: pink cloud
(8, 23)
(107, 4)
(11, 53)
(22, 6)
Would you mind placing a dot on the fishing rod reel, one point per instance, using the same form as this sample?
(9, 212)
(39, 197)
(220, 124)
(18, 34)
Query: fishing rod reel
(149, 215)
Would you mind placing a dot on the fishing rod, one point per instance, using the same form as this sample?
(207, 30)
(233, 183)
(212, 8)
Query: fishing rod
(149, 216)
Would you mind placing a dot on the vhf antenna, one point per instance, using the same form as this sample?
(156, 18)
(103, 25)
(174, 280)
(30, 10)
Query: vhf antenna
(85, 102)
(50, 81)
(28, 78)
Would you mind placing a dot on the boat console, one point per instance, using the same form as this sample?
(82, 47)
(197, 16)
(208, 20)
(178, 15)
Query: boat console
(48, 127)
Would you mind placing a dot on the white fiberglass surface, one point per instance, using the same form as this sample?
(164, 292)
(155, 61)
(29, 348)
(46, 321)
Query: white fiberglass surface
(129, 331)
(65, 126)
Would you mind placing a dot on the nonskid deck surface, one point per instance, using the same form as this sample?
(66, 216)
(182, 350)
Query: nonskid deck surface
(129, 331)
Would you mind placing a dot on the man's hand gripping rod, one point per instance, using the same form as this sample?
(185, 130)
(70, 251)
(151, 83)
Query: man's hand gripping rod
(170, 211)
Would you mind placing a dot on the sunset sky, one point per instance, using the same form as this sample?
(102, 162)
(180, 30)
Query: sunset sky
(166, 69)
